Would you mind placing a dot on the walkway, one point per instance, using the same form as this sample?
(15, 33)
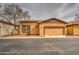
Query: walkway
(24, 37)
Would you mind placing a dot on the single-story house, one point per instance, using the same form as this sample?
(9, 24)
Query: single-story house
(49, 27)
(6, 28)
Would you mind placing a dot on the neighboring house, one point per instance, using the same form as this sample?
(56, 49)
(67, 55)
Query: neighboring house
(49, 27)
(6, 28)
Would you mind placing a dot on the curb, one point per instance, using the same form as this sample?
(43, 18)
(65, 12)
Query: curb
(36, 37)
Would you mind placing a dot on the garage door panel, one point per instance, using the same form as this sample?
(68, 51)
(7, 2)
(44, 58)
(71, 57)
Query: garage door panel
(50, 31)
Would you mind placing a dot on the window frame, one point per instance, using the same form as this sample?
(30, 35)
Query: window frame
(28, 27)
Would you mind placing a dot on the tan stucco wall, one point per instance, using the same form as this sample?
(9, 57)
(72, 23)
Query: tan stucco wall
(33, 28)
(75, 30)
(69, 30)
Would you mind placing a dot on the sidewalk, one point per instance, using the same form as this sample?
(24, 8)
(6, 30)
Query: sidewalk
(25, 37)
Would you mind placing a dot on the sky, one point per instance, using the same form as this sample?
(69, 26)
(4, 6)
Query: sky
(64, 11)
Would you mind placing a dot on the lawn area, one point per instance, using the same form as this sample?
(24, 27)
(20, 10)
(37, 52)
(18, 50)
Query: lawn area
(40, 46)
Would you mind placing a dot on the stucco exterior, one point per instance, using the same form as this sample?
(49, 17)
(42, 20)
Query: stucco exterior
(33, 28)
(42, 28)
(49, 27)
(39, 28)
(73, 29)
(52, 24)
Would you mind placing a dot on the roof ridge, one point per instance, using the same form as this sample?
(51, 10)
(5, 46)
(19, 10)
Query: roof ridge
(55, 19)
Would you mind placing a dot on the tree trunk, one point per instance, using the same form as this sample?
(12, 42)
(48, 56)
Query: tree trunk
(15, 24)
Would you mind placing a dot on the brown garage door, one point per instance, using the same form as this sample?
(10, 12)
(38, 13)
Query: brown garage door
(51, 31)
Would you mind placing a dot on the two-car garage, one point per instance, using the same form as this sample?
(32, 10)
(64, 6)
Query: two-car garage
(52, 27)
(53, 31)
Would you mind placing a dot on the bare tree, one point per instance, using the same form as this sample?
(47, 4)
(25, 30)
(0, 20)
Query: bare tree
(77, 18)
(13, 12)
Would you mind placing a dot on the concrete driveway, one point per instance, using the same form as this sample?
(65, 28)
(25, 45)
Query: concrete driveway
(40, 46)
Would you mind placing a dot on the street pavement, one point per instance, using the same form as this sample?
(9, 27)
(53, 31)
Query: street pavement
(39, 46)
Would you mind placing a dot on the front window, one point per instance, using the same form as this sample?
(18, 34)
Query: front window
(26, 28)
